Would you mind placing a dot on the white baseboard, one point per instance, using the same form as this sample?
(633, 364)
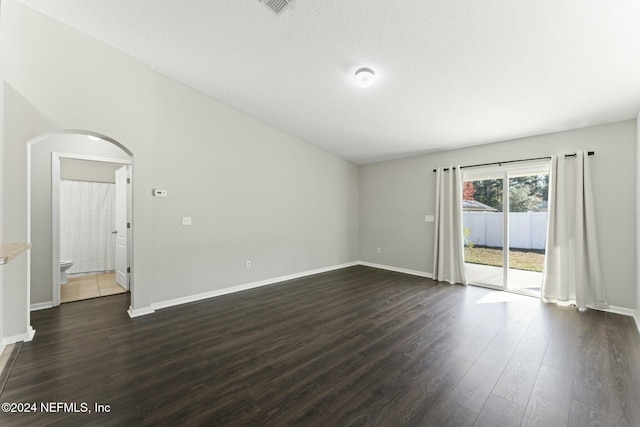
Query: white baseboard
(211, 294)
(26, 337)
(30, 334)
(140, 311)
(224, 291)
(198, 297)
(612, 308)
(621, 310)
(41, 306)
(396, 269)
(624, 311)
(219, 292)
(14, 339)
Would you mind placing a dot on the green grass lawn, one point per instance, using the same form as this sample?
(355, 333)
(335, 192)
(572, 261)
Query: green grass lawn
(519, 260)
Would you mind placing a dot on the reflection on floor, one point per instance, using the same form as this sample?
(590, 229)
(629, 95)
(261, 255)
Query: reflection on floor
(519, 280)
(7, 358)
(90, 286)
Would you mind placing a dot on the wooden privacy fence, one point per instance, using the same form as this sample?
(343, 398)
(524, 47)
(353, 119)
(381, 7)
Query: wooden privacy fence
(527, 230)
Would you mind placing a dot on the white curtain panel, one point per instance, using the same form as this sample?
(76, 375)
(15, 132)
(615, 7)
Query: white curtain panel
(572, 273)
(448, 253)
(87, 218)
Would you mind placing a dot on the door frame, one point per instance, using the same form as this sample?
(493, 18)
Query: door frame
(55, 214)
(127, 224)
(504, 173)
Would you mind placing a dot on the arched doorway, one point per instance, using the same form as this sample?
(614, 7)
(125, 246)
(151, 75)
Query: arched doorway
(44, 154)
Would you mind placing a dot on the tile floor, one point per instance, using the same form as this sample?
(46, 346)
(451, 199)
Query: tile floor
(90, 286)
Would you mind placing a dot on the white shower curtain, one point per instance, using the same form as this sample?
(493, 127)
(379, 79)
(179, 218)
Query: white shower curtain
(448, 251)
(87, 218)
(572, 273)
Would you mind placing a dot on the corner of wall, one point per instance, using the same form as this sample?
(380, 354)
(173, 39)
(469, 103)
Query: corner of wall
(2, 345)
(637, 315)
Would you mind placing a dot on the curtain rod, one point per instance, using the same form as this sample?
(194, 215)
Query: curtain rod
(590, 153)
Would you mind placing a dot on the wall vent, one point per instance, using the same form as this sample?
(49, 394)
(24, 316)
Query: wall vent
(277, 6)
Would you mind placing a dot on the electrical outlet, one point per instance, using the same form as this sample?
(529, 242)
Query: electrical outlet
(186, 220)
(159, 193)
(248, 263)
(378, 250)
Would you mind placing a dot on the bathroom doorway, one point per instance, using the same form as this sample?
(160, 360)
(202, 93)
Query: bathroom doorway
(44, 156)
(92, 200)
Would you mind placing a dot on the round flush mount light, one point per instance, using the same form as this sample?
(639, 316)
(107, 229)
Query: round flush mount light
(364, 77)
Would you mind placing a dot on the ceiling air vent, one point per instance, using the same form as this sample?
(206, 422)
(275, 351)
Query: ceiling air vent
(277, 6)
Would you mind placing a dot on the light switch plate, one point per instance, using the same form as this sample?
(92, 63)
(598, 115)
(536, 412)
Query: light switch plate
(186, 220)
(429, 218)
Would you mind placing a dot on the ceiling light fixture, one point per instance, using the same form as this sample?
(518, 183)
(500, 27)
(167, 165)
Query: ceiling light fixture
(364, 77)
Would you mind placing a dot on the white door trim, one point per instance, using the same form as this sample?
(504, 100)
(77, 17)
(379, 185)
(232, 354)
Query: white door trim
(123, 182)
(55, 213)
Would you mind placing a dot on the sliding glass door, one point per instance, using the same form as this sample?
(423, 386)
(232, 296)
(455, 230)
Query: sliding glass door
(482, 207)
(505, 225)
(528, 198)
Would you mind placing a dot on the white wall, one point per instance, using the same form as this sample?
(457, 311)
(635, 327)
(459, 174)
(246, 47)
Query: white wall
(41, 201)
(59, 79)
(88, 170)
(15, 299)
(20, 122)
(2, 344)
(396, 195)
(254, 193)
(15, 296)
(638, 221)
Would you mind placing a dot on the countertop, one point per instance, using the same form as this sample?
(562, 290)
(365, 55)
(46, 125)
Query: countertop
(8, 251)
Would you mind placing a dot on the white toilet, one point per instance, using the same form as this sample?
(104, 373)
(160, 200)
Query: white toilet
(64, 266)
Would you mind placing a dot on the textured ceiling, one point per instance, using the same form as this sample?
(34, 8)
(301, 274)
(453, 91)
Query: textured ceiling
(450, 73)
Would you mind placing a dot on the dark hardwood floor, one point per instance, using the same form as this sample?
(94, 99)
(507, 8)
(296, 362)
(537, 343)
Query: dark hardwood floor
(357, 346)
